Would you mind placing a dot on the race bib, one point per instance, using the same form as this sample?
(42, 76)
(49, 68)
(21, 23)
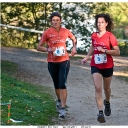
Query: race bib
(100, 58)
(60, 51)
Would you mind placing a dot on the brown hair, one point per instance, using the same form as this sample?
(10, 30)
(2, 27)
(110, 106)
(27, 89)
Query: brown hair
(55, 14)
(108, 20)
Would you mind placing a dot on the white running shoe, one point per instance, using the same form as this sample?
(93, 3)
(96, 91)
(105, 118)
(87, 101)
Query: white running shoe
(58, 106)
(62, 113)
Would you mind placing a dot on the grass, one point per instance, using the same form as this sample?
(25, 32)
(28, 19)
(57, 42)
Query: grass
(31, 104)
(8, 67)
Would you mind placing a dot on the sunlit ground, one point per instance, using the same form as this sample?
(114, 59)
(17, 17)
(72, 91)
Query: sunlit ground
(121, 66)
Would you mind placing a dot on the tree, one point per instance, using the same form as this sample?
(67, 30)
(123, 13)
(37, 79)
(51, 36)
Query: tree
(36, 16)
(26, 15)
(119, 13)
(79, 19)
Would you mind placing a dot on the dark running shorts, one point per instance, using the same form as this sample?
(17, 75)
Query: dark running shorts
(104, 72)
(59, 72)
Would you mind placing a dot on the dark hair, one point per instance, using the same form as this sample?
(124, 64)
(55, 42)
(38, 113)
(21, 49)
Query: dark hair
(55, 14)
(108, 20)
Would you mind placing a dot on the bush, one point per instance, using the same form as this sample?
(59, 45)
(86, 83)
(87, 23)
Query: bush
(123, 48)
(15, 38)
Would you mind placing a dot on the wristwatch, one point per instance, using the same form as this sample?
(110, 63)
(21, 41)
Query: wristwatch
(105, 51)
(74, 47)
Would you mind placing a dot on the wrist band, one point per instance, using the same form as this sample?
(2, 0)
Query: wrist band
(74, 46)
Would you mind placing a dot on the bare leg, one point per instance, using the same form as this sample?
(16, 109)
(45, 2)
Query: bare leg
(57, 93)
(107, 89)
(97, 79)
(63, 97)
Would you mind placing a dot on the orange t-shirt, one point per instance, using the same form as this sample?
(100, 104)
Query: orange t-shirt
(106, 41)
(54, 38)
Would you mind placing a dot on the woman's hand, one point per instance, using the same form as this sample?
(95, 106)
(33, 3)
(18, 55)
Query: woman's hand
(85, 59)
(73, 51)
(51, 49)
(100, 49)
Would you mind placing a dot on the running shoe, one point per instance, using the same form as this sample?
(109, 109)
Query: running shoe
(101, 118)
(62, 113)
(107, 109)
(58, 106)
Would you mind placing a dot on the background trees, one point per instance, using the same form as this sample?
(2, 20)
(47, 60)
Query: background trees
(119, 12)
(79, 17)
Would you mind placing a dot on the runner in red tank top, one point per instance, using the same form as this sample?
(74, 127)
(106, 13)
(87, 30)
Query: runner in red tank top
(58, 59)
(104, 46)
(106, 41)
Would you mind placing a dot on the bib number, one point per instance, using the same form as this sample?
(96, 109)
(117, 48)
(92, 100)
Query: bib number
(100, 58)
(60, 51)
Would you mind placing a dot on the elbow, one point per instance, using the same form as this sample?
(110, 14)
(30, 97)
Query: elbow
(38, 49)
(118, 53)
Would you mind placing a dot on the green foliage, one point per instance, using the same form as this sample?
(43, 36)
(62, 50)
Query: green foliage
(123, 48)
(26, 15)
(32, 104)
(118, 33)
(77, 20)
(36, 16)
(30, 15)
(16, 38)
(80, 51)
(117, 10)
(119, 13)
(8, 67)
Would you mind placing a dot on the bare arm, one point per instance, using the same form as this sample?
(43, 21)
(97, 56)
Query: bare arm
(73, 51)
(114, 52)
(74, 41)
(42, 48)
(90, 52)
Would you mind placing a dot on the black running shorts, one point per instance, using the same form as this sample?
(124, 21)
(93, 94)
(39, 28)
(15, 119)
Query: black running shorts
(59, 72)
(108, 72)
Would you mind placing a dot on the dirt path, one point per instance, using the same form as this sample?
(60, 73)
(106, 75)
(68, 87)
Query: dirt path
(82, 109)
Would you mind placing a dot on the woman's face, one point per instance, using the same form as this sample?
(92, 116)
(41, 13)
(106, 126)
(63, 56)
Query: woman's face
(56, 22)
(101, 24)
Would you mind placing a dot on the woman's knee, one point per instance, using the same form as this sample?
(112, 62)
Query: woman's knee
(107, 89)
(98, 88)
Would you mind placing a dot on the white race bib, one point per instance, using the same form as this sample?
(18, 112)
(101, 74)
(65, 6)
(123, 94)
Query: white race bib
(60, 51)
(100, 58)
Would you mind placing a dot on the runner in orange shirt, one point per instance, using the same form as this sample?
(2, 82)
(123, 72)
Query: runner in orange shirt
(104, 46)
(58, 58)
